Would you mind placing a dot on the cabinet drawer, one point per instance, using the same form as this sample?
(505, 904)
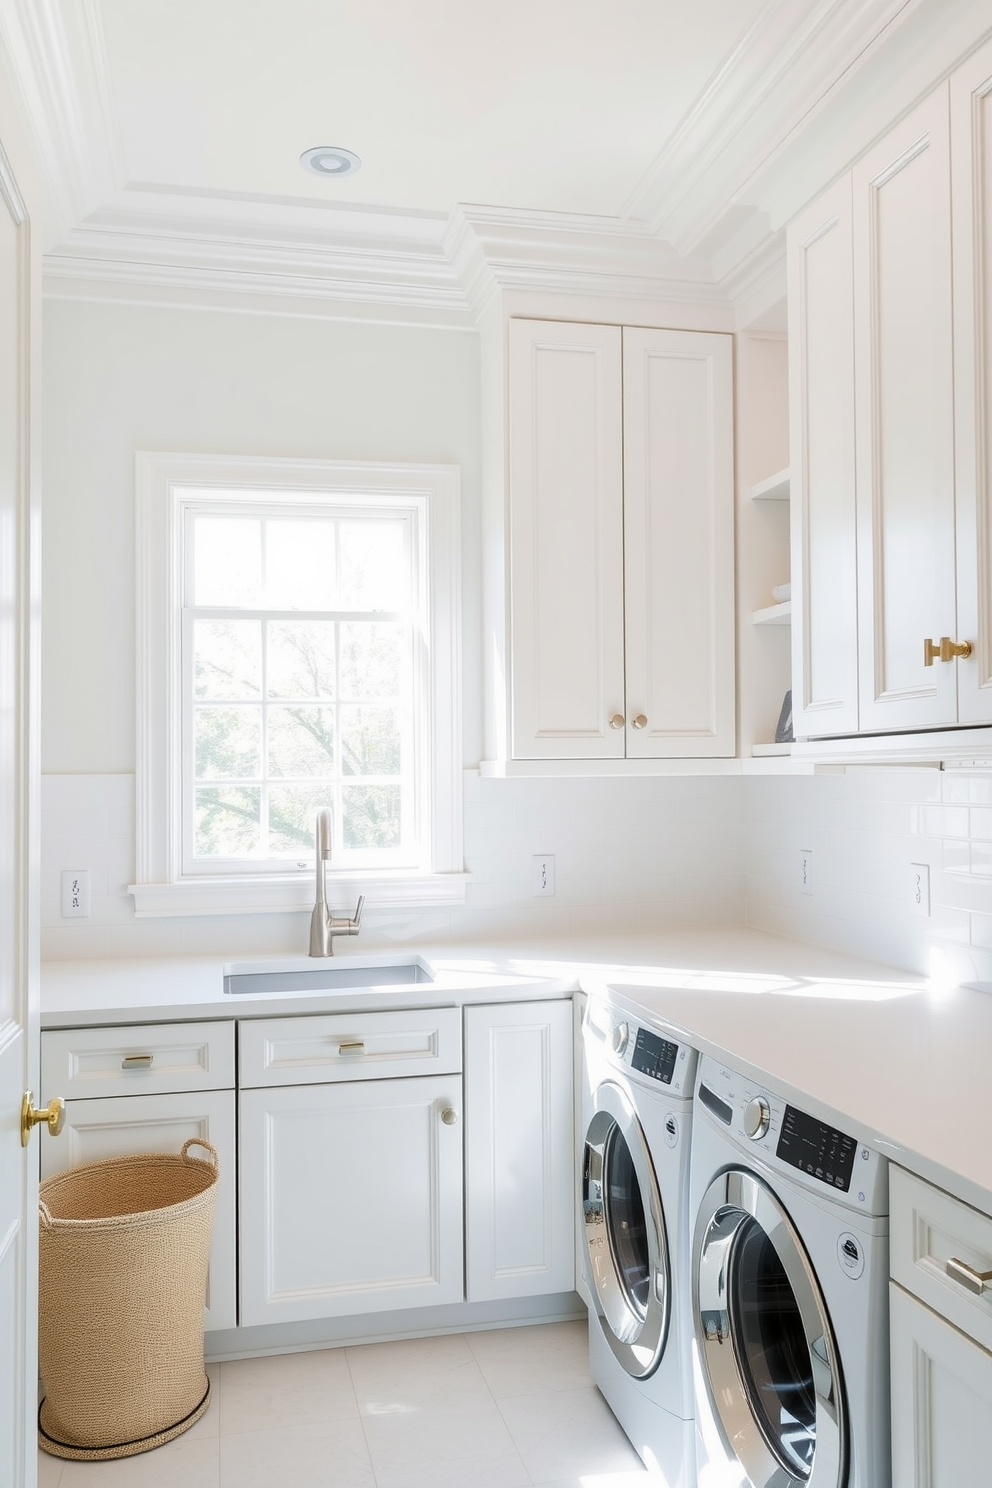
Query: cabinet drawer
(158, 1058)
(350, 1046)
(928, 1228)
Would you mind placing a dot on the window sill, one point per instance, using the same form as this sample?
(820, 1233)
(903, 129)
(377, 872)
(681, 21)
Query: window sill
(291, 895)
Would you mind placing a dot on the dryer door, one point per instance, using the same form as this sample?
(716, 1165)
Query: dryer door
(766, 1348)
(626, 1246)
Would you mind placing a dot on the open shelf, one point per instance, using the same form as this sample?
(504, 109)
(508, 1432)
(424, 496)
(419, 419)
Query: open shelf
(776, 614)
(765, 751)
(775, 488)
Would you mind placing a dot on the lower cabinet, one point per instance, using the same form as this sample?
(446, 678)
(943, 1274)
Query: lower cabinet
(351, 1198)
(368, 1172)
(519, 1196)
(941, 1336)
(150, 1088)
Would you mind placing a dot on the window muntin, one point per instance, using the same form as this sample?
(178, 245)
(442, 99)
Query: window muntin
(302, 630)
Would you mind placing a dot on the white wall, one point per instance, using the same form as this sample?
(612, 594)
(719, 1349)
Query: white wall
(865, 829)
(119, 379)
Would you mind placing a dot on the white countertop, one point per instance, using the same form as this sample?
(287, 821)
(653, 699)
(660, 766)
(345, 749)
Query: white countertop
(881, 1052)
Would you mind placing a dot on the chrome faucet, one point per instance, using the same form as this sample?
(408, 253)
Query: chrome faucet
(323, 925)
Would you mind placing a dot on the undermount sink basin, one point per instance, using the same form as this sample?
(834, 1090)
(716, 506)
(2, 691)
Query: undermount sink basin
(329, 978)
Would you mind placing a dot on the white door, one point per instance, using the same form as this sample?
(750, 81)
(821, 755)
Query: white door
(351, 1198)
(519, 1199)
(941, 1399)
(18, 853)
(566, 541)
(904, 422)
(121, 1124)
(821, 438)
(678, 516)
(971, 164)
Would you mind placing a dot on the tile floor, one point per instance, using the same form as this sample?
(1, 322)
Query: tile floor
(509, 1408)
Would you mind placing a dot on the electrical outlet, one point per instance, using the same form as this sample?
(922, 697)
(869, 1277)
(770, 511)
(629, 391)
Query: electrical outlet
(805, 870)
(542, 875)
(75, 893)
(919, 881)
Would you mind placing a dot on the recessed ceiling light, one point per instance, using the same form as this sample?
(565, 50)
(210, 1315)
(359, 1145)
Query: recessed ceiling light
(330, 160)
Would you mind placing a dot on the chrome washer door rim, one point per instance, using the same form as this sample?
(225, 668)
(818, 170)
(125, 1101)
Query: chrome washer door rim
(730, 1204)
(636, 1335)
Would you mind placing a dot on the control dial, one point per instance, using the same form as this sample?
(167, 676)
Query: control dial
(621, 1037)
(757, 1117)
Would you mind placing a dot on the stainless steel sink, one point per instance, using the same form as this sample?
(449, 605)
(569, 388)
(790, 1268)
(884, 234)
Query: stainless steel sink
(323, 978)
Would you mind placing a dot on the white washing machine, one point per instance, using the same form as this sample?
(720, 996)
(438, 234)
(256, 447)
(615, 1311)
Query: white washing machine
(634, 1174)
(789, 1293)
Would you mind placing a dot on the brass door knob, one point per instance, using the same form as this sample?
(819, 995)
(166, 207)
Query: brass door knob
(617, 720)
(53, 1115)
(639, 720)
(931, 652)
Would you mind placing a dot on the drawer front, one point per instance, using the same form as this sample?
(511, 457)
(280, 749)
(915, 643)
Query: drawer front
(349, 1046)
(928, 1229)
(157, 1059)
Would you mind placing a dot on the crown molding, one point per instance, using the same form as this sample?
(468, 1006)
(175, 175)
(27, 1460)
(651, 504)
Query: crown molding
(759, 96)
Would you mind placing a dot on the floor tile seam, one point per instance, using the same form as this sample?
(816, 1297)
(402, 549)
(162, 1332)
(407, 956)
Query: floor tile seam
(361, 1416)
(516, 1445)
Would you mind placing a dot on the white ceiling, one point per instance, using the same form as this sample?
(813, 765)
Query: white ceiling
(546, 105)
(596, 147)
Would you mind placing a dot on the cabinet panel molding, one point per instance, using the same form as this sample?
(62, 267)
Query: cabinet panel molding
(518, 1150)
(678, 542)
(566, 527)
(904, 421)
(824, 553)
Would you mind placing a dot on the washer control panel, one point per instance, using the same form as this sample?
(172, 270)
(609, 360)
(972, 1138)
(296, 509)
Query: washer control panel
(631, 1044)
(787, 1137)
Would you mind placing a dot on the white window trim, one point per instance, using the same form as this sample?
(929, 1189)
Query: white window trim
(162, 481)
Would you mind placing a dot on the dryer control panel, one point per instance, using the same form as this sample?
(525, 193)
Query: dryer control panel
(786, 1137)
(627, 1042)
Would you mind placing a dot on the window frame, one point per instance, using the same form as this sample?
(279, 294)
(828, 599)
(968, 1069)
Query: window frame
(166, 484)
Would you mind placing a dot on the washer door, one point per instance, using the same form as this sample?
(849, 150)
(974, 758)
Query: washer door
(766, 1348)
(626, 1244)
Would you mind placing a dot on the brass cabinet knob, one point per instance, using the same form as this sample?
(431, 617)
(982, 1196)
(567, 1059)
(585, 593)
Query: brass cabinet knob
(617, 720)
(638, 721)
(53, 1115)
(449, 1116)
(944, 650)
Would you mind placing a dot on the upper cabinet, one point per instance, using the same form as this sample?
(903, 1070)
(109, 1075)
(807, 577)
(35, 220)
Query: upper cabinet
(620, 582)
(889, 334)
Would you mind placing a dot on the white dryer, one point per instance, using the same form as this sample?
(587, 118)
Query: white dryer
(789, 1293)
(633, 1181)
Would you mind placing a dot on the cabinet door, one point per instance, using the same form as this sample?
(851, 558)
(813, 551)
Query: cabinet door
(118, 1125)
(519, 1196)
(351, 1198)
(904, 422)
(941, 1400)
(566, 540)
(821, 397)
(971, 156)
(678, 543)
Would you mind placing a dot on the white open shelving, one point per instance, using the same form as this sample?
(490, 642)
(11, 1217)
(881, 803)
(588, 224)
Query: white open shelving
(776, 614)
(775, 488)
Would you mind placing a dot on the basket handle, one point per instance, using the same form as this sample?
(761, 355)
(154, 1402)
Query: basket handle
(199, 1142)
(44, 1215)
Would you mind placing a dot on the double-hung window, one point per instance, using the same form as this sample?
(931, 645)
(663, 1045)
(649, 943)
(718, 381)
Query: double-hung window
(297, 649)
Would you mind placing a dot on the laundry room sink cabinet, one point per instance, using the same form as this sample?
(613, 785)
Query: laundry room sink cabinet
(353, 1131)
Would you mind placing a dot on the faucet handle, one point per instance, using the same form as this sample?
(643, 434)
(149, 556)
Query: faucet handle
(356, 918)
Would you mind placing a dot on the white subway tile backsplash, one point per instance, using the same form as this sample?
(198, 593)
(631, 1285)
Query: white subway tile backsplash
(629, 854)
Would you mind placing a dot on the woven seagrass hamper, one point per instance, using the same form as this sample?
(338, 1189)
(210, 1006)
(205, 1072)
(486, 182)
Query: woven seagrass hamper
(124, 1246)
